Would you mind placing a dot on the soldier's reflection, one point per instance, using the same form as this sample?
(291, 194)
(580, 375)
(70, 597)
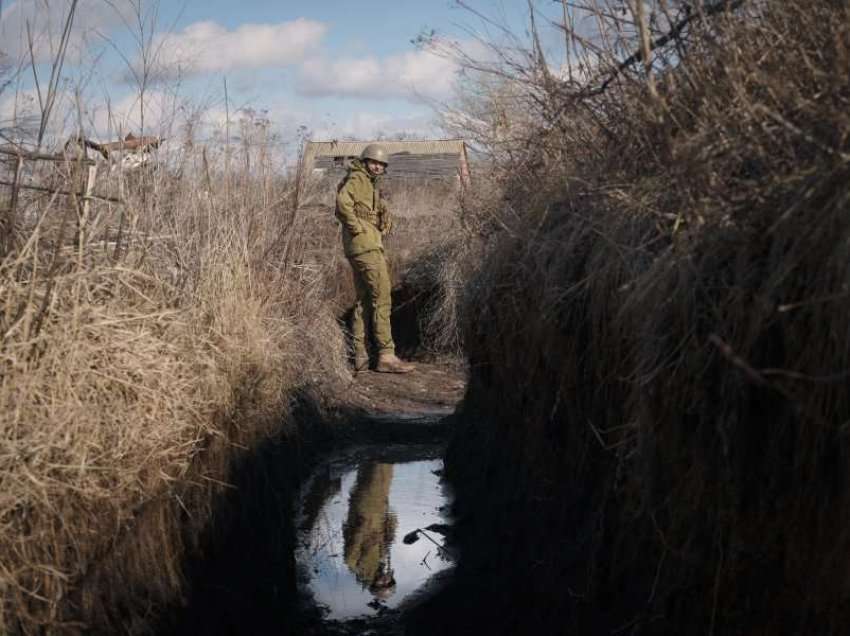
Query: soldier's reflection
(370, 530)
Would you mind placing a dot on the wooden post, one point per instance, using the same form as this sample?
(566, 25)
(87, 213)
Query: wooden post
(91, 174)
(464, 166)
(11, 216)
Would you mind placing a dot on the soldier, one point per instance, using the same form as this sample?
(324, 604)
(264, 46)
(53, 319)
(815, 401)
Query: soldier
(369, 530)
(365, 220)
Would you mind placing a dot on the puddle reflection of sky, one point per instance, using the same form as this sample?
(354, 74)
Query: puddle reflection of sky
(376, 501)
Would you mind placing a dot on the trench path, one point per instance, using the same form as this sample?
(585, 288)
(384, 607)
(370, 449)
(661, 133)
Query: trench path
(373, 514)
(432, 390)
(310, 540)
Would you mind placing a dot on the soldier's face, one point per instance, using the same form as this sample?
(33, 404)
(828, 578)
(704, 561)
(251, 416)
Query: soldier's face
(375, 167)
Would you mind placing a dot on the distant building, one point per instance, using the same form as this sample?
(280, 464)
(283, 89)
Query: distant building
(426, 159)
(131, 152)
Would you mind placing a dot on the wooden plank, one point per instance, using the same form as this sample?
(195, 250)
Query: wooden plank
(38, 156)
(408, 164)
(83, 195)
(319, 151)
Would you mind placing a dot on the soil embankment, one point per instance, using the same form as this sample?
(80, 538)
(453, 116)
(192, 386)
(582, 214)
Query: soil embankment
(654, 438)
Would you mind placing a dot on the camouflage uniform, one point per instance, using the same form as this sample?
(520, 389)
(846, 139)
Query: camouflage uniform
(365, 219)
(370, 530)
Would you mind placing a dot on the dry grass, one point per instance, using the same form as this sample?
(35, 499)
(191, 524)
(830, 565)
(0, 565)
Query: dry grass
(665, 350)
(139, 359)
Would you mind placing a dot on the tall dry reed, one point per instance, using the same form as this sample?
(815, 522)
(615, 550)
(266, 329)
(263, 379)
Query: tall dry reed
(145, 346)
(658, 335)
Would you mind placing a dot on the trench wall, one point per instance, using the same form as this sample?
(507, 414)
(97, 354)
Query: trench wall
(650, 441)
(654, 436)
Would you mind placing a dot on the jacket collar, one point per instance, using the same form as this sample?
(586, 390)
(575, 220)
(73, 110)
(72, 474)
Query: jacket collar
(357, 165)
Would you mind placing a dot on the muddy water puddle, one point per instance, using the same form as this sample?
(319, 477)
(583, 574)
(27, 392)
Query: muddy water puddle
(370, 530)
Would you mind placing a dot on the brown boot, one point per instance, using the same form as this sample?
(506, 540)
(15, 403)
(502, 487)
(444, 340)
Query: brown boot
(390, 363)
(361, 361)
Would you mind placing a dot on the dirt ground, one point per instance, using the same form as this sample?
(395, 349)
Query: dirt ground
(432, 389)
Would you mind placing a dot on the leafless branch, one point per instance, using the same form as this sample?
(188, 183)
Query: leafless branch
(673, 34)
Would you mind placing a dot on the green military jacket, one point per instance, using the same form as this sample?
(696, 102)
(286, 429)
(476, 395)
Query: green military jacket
(359, 208)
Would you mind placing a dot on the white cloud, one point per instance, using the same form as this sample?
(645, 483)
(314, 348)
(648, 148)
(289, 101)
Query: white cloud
(20, 115)
(580, 71)
(46, 20)
(205, 47)
(365, 125)
(103, 120)
(112, 120)
(15, 109)
(412, 75)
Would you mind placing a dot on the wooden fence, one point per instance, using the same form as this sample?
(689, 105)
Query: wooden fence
(79, 175)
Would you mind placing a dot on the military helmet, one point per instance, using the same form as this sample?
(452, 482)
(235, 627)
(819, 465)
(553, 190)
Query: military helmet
(375, 152)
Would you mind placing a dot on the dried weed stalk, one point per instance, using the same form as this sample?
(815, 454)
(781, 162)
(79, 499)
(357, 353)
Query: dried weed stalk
(143, 347)
(661, 326)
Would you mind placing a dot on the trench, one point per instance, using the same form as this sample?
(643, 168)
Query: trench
(343, 528)
(343, 532)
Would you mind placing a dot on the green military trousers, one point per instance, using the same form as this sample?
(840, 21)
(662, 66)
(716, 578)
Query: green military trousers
(374, 301)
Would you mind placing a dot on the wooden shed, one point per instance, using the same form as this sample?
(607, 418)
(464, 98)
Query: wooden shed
(420, 159)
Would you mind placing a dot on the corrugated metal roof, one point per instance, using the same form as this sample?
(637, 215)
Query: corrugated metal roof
(425, 158)
(354, 148)
(404, 165)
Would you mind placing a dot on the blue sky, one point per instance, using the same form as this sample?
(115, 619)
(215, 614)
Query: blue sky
(340, 69)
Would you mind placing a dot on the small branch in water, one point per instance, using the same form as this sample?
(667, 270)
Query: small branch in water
(412, 537)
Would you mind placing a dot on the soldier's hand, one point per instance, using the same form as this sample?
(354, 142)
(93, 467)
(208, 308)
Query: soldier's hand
(355, 228)
(385, 221)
